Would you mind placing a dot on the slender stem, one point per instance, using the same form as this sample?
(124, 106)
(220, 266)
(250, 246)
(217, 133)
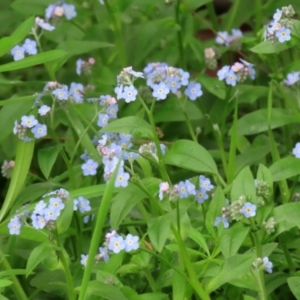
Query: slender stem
(189, 125)
(16, 287)
(286, 254)
(150, 279)
(179, 34)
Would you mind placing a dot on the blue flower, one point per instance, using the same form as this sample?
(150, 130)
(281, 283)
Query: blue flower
(190, 187)
(79, 63)
(103, 254)
(17, 52)
(223, 220)
(14, 225)
(30, 47)
(56, 203)
(76, 91)
(122, 179)
(160, 91)
(193, 91)
(201, 196)
(49, 11)
(131, 156)
(182, 190)
(82, 203)
(231, 78)
(51, 213)
(69, 11)
(174, 84)
(38, 221)
(103, 120)
(61, 93)
(292, 78)
(184, 77)
(112, 110)
(39, 131)
(223, 38)
(119, 91)
(41, 23)
(129, 93)
(29, 121)
(296, 150)
(249, 210)
(84, 258)
(89, 167)
(267, 264)
(131, 242)
(283, 34)
(277, 15)
(222, 73)
(116, 244)
(43, 110)
(39, 207)
(205, 183)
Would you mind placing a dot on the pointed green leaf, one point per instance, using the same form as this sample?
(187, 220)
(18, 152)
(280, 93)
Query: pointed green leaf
(294, 285)
(47, 158)
(285, 168)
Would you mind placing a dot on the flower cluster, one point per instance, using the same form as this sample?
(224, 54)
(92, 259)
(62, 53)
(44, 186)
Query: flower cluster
(29, 128)
(278, 29)
(236, 211)
(84, 66)
(292, 78)
(114, 243)
(211, 55)
(6, 168)
(263, 190)
(44, 213)
(226, 39)
(237, 72)
(82, 204)
(149, 150)
(270, 225)
(186, 188)
(29, 47)
(164, 79)
(263, 263)
(296, 150)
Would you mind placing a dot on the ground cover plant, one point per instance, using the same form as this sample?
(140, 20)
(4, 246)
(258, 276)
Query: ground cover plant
(150, 149)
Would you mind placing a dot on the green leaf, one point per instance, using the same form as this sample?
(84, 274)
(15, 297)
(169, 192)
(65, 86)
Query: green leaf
(285, 168)
(132, 125)
(80, 47)
(213, 86)
(257, 121)
(287, 216)
(232, 238)
(196, 236)
(20, 100)
(4, 283)
(233, 267)
(244, 185)
(159, 230)
(215, 206)
(194, 4)
(7, 43)
(266, 47)
(294, 285)
(191, 156)
(34, 60)
(105, 290)
(47, 158)
(154, 296)
(37, 255)
(64, 220)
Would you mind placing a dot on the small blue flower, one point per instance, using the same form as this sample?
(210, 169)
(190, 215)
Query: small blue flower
(292, 78)
(17, 52)
(205, 183)
(112, 110)
(223, 220)
(122, 179)
(277, 15)
(174, 84)
(268, 266)
(131, 242)
(39, 207)
(41, 23)
(90, 167)
(119, 91)
(222, 73)
(43, 110)
(51, 213)
(103, 254)
(129, 93)
(14, 225)
(76, 91)
(116, 244)
(249, 210)
(39, 130)
(29, 121)
(38, 221)
(201, 196)
(84, 258)
(56, 203)
(49, 11)
(61, 93)
(69, 11)
(30, 47)
(283, 34)
(193, 91)
(82, 203)
(184, 77)
(190, 187)
(182, 190)
(131, 156)
(79, 63)
(103, 120)
(231, 78)
(223, 38)
(296, 150)
(160, 91)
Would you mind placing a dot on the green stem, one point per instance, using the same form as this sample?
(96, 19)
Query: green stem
(190, 127)
(287, 254)
(179, 34)
(68, 275)
(97, 234)
(150, 279)
(16, 286)
(258, 15)
(118, 34)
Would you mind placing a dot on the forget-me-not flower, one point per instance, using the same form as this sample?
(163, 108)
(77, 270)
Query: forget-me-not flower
(249, 210)
(193, 90)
